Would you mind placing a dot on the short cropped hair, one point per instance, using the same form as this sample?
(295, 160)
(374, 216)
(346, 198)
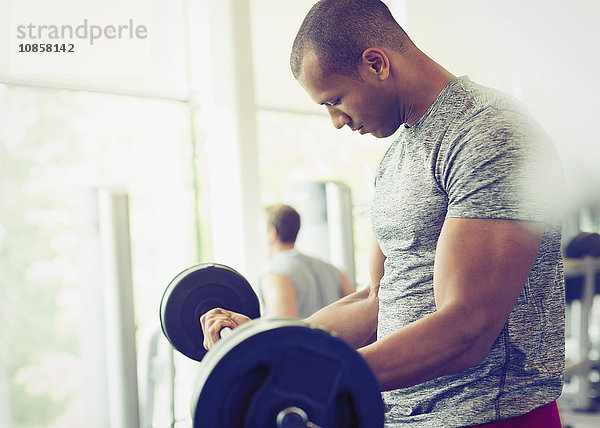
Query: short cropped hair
(339, 31)
(285, 220)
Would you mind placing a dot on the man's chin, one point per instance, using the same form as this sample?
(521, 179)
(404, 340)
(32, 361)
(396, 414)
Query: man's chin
(385, 132)
(381, 134)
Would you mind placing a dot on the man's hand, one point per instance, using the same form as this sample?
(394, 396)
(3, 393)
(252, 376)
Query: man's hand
(215, 320)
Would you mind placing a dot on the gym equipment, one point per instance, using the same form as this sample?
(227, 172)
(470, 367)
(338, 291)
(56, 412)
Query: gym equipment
(195, 291)
(278, 372)
(273, 372)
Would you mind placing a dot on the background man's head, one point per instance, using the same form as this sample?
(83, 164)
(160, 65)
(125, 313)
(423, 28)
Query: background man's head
(339, 31)
(285, 220)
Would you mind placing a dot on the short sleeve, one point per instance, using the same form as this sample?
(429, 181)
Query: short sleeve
(499, 165)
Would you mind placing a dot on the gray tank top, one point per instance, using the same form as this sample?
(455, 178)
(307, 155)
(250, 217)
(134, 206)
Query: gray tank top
(316, 282)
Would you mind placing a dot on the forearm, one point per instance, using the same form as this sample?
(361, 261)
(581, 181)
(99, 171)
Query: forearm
(354, 318)
(442, 343)
(376, 262)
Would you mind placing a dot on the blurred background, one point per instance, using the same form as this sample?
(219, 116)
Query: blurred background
(134, 158)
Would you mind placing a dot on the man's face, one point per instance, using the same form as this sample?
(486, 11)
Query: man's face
(364, 106)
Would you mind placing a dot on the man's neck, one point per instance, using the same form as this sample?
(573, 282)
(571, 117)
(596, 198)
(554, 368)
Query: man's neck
(278, 247)
(426, 81)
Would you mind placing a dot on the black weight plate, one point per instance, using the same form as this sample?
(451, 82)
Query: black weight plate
(194, 292)
(269, 365)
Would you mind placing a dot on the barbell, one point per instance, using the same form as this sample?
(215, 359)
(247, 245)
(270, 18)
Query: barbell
(270, 372)
(195, 291)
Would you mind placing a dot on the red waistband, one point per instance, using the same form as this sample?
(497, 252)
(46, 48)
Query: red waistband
(543, 417)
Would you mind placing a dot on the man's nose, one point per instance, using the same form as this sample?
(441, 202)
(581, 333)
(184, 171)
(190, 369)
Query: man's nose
(338, 118)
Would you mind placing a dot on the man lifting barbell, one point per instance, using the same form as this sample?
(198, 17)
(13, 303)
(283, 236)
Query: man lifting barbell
(467, 291)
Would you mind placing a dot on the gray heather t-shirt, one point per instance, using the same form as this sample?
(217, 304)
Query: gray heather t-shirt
(316, 282)
(474, 154)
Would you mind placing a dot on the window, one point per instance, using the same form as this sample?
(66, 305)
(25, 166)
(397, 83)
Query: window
(53, 145)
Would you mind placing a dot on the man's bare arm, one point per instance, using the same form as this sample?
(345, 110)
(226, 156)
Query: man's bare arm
(279, 295)
(354, 318)
(480, 269)
(376, 262)
(347, 286)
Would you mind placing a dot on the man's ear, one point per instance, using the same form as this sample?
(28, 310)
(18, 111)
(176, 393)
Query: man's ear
(271, 234)
(374, 63)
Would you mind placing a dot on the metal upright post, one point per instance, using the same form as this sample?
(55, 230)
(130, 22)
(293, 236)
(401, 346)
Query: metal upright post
(108, 326)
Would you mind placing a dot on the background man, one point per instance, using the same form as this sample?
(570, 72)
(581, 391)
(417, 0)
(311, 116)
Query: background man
(295, 284)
